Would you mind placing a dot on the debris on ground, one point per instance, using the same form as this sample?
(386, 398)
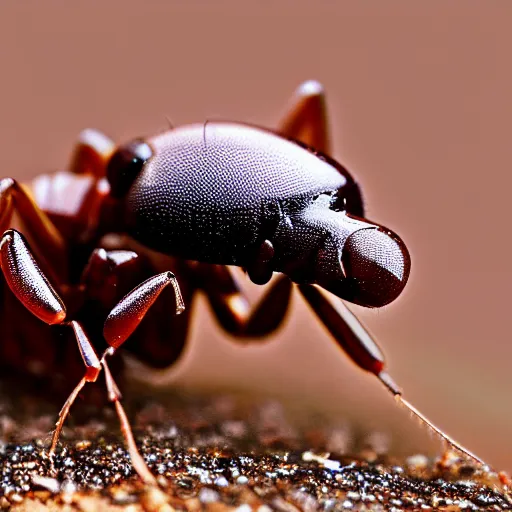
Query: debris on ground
(224, 453)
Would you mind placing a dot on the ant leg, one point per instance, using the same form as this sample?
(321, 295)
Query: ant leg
(120, 324)
(306, 119)
(93, 367)
(92, 370)
(114, 395)
(32, 288)
(355, 340)
(15, 197)
(91, 154)
(74, 199)
(130, 310)
(34, 291)
(232, 309)
(26, 280)
(110, 274)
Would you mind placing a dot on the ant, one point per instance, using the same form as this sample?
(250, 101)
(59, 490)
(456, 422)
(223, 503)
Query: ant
(195, 199)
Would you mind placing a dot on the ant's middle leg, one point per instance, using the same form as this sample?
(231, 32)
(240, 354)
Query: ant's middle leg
(232, 308)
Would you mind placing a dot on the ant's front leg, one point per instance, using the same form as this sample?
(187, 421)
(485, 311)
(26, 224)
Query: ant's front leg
(120, 324)
(131, 309)
(356, 341)
(32, 288)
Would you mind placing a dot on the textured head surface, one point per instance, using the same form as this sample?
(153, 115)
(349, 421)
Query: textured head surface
(211, 192)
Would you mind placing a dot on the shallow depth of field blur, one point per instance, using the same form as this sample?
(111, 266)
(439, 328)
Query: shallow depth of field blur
(420, 106)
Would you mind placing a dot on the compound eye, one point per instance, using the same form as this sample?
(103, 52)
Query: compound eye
(125, 165)
(377, 266)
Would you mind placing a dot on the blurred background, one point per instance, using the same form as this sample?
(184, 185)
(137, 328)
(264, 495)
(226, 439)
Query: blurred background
(419, 99)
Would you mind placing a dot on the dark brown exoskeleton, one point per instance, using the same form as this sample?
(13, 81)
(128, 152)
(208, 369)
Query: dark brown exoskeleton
(194, 199)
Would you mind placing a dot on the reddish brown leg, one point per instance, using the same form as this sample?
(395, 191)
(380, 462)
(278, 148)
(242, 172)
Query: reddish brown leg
(74, 199)
(93, 365)
(108, 275)
(115, 396)
(92, 152)
(34, 291)
(306, 119)
(232, 309)
(120, 324)
(111, 274)
(15, 197)
(92, 370)
(129, 312)
(27, 281)
(356, 341)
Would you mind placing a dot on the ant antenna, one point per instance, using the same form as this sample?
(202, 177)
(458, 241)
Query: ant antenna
(170, 123)
(204, 131)
(397, 393)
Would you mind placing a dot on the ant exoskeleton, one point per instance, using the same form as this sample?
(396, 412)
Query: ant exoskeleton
(193, 199)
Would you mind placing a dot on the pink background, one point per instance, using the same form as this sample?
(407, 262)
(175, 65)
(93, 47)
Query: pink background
(419, 96)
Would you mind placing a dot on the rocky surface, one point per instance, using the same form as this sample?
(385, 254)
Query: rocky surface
(222, 453)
